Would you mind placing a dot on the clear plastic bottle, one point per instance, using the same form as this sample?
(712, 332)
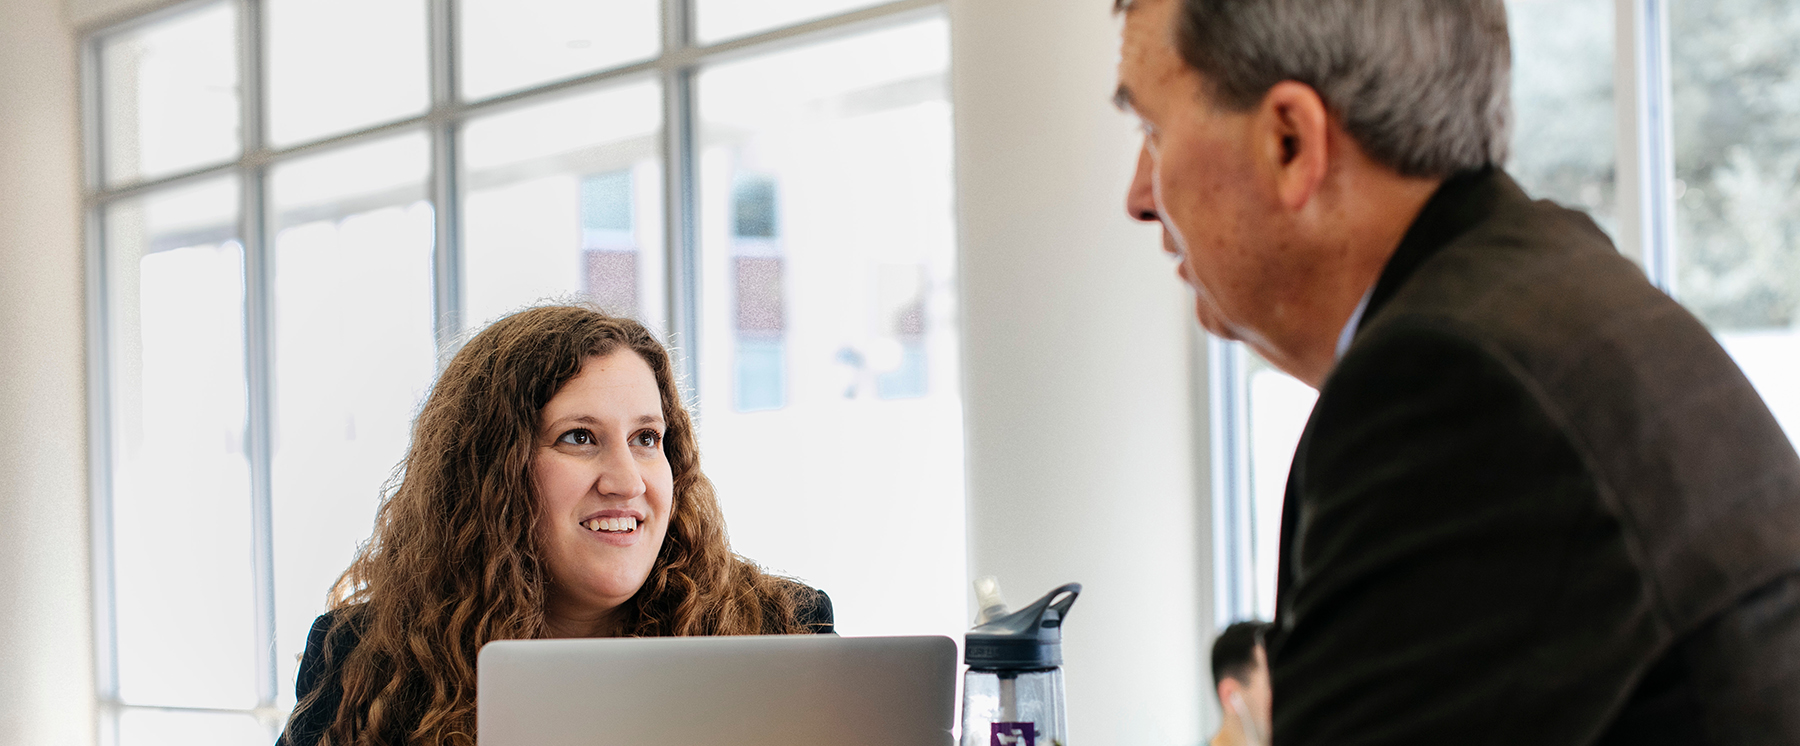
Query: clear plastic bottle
(1013, 691)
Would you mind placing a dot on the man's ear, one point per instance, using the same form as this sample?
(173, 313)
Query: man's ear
(1227, 687)
(1295, 126)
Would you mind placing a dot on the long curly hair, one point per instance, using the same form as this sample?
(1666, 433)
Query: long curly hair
(454, 561)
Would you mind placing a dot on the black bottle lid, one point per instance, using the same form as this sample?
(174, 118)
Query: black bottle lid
(1030, 638)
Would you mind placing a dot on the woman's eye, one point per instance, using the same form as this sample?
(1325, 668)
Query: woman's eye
(577, 438)
(647, 438)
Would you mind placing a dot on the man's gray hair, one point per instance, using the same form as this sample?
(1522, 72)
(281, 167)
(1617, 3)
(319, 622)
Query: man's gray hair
(1422, 85)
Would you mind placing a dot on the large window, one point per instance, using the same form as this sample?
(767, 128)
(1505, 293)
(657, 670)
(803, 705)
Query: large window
(1683, 143)
(1735, 79)
(298, 208)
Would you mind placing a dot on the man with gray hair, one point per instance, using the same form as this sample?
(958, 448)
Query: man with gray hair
(1536, 503)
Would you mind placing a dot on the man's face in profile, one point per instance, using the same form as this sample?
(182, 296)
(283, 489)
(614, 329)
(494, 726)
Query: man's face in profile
(1256, 693)
(1196, 175)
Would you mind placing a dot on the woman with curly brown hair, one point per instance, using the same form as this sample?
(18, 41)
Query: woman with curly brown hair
(552, 489)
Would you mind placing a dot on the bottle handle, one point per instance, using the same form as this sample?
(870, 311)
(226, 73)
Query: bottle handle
(1065, 598)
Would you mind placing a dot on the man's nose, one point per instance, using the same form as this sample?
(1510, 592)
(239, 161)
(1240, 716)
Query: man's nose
(1140, 200)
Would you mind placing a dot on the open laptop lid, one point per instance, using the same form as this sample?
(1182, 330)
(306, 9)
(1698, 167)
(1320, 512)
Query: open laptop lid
(799, 690)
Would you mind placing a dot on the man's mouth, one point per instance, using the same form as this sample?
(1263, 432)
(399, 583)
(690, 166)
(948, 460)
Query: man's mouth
(612, 524)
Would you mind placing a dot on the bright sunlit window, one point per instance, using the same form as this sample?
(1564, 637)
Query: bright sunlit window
(300, 207)
(1732, 252)
(1734, 75)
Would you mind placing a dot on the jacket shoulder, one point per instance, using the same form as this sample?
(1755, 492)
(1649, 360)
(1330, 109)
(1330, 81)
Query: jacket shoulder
(317, 686)
(1682, 449)
(815, 612)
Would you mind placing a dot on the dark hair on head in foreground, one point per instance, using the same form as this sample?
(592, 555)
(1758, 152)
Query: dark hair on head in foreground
(1234, 651)
(1424, 86)
(455, 563)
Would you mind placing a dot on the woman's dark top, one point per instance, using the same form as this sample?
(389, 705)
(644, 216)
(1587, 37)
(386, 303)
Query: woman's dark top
(306, 728)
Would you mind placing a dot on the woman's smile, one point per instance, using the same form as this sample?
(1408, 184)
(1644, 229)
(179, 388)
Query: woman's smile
(615, 527)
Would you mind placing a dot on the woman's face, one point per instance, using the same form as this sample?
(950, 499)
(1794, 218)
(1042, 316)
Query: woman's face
(603, 488)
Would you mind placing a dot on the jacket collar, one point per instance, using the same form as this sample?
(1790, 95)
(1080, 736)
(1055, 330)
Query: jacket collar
(1464, 200)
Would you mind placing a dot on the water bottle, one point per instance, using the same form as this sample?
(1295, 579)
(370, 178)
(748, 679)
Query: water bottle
(1013, 691)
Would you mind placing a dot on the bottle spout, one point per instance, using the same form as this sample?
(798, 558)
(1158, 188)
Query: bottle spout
(989, 600)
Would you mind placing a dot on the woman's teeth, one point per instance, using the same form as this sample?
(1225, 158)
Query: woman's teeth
(624, 525)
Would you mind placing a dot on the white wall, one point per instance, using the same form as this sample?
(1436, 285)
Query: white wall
(1079, 388)
(82, 14)
(46, 660)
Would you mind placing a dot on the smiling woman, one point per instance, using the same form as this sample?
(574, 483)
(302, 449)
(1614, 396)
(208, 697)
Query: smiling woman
(552, 489)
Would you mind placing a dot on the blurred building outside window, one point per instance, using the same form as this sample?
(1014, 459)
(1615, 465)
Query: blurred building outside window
(822, 168)
(303, 207)
(758, 314)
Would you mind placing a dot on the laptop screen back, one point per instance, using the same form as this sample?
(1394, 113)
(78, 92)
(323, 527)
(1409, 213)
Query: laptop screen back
(800, 690)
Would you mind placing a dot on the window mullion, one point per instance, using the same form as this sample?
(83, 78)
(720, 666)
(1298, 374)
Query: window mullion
(258, 347)
(1657, 142)
(1234, 589)
(681, 252)
(447, 249)
(1645, 149)
(99, 415)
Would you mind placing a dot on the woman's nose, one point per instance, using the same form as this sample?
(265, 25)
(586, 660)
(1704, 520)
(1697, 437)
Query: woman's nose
(619, 474)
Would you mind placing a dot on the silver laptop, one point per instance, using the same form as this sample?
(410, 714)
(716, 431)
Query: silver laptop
(799, 690)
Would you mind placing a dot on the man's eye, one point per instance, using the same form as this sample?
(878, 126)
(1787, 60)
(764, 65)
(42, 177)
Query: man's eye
(647, 438)
(577, 438)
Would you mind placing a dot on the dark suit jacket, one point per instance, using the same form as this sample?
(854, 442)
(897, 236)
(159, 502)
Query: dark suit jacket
(1536, 503)
(307, 726)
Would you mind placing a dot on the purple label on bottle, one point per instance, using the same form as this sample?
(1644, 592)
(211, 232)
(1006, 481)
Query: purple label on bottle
(1014, 734)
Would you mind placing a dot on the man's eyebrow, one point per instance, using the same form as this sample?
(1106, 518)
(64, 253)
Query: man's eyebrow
(1122, 98)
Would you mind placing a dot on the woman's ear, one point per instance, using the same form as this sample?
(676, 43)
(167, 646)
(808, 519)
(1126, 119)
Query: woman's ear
(1294, 128)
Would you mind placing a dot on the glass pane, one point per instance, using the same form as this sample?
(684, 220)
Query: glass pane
(339, 65)
(829, 322)
(169, 95)
(164, 728)
(725, 19)
(354, 355)
(1278, 407)
(513, 44)
(1562, 91)
(181, 479)
(1735, 75)
(565, 202)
